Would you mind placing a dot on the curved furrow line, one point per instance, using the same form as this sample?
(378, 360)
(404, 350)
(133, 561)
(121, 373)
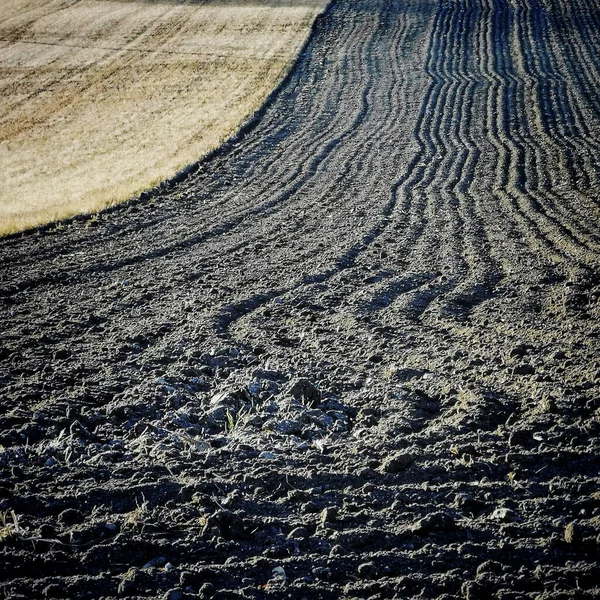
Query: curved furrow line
(522, 146)
(545, 151)
(505, 232)
(484, 271)
(348, 258)
(573, 233)
(317, 108)
(461, 229)
(573, 147)
(573, 68)
(319, 161)
(482, 274)
(432, 155)
(580, 89)
(392, 103)
(237, 216)
(442, 239)
(302, 257)
(358, 163)
(348, 168)
(511, 163)
(420, 172)
(553, 115)
(582, 23)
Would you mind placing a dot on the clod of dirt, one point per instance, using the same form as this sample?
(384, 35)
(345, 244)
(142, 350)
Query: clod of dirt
(368, 570)
(397, 462)
(489, 567)
(439, 521)
(504, 515)
(329, 514)
(524, 369)
(572, 533)
(303, 390)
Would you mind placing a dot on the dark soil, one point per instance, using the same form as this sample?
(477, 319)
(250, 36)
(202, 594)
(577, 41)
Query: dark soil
(355, 354)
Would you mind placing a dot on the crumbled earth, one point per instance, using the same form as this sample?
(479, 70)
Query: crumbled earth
(353, 354)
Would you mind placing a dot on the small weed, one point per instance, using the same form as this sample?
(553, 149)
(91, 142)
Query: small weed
(10, 527)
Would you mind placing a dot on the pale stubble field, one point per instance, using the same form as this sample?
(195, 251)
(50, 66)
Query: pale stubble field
(101, 99)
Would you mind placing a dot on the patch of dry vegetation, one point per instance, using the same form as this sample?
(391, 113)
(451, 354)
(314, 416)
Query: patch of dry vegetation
(101, 99)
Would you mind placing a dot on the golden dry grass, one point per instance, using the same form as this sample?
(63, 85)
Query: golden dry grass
(101, 99)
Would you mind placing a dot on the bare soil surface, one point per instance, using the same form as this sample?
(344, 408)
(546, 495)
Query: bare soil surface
(354, 355)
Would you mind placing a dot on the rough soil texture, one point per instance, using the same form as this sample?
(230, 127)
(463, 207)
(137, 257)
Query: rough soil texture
(355, 355)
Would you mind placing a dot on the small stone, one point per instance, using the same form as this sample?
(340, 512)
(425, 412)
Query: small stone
(397, 462)
(329, 514)
(375, 358)
(174, 594)
(572, 534)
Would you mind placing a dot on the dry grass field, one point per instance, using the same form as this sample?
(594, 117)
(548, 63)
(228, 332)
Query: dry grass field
(100, 99)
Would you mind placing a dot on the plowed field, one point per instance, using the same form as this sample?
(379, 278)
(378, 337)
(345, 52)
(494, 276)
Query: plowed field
(354, 355)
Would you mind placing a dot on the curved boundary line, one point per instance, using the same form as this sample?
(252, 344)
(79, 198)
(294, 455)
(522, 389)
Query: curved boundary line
(168, 184)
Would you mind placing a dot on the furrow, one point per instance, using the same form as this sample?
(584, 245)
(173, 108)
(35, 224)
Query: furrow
(531, 72)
